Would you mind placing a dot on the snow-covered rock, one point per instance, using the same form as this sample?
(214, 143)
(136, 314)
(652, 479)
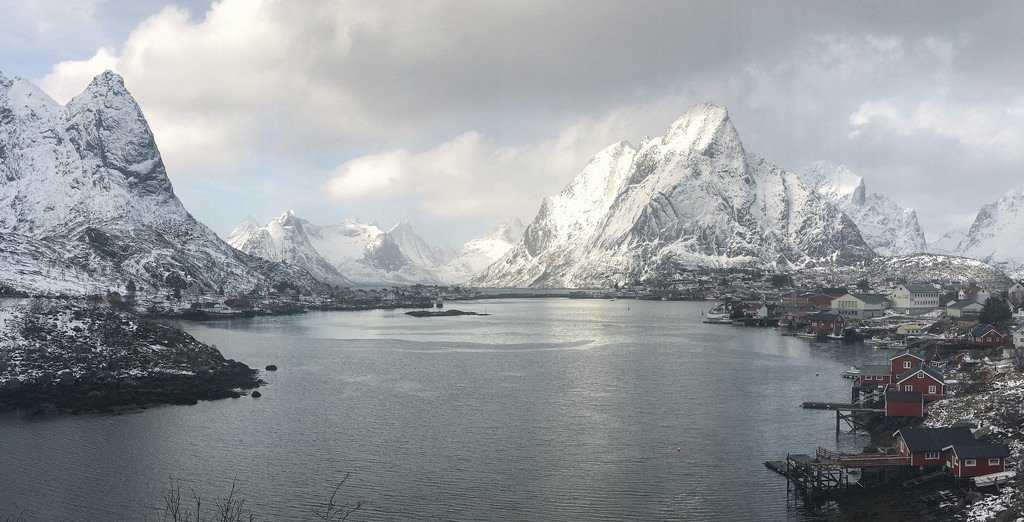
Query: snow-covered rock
(997, 234)
(889, 229)
(478, 254)
(348, 253)
(86, 204)
(691, 198)
(948, 243)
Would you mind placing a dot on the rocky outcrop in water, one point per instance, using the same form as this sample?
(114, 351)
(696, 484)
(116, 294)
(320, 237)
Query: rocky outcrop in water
(77, 356)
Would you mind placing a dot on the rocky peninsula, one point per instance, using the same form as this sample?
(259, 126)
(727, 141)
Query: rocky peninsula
(75, 356)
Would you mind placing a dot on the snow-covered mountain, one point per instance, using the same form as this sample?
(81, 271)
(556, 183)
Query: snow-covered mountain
(890, 230)
(943, 269)
(997, 234)
(362, 254)
(691, 198)
(948, 243)
(478, 254)
(348, 253)
(86, 205)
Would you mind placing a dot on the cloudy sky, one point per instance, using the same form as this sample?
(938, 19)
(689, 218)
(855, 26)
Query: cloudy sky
(455, 114)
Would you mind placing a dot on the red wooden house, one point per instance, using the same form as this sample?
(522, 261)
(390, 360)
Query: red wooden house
(985, 335)
(904, 404)
(824, 323)
(922, 379)
(821, 301)
(903, 362)
(924, 445)
(974, 460)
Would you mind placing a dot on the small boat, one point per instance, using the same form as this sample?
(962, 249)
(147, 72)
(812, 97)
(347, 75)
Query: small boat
(718, 315)
(852, 373)
(807, 335)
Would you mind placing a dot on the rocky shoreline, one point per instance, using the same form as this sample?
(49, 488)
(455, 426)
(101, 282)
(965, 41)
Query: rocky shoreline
(74, 356)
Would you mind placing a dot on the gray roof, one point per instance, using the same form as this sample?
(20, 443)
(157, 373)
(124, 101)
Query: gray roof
(963, 304)
(876, 370)
(920, 289)
(921, 367)
(934, 439)
(980, 450)
(873, 298)
(903, 396)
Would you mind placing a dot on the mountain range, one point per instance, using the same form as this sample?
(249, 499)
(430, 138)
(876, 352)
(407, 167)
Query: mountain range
(693, 197)
(86, 204)
(362, 254)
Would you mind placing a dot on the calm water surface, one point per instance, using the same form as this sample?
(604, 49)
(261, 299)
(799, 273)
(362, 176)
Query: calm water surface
(546, 409)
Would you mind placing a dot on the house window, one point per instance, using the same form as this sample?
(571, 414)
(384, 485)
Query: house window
(931, 455)
(907, 387)
(931, 389)
(920, 376)
(993, 462)
(970, 463)
(906, 364)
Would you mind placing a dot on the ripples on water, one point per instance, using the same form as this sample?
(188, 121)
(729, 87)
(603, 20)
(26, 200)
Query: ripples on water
(547, 409)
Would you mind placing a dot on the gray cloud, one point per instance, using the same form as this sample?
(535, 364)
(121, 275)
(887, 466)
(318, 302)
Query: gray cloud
(913, 95)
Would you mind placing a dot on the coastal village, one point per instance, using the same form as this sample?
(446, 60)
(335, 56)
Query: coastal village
(942, 402)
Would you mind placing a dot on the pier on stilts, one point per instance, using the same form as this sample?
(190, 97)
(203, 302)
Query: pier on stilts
(829, 472)
(856, 416)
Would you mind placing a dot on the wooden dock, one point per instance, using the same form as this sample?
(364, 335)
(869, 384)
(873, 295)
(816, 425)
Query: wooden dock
(810, 474)
(840, 406)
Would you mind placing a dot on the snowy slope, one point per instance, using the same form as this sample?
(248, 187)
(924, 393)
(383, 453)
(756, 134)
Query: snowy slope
(478, 254)
(691, 198)
(886, 227)
(84, 193)
(348, 253)
(997, 234)
(948, 243)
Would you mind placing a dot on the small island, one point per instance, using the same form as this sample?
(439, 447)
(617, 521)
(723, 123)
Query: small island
(441, 313)
(76, 356)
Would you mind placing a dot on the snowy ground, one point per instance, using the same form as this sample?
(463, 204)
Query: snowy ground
(996, 404)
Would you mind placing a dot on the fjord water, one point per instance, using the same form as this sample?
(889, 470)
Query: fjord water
(547, 409)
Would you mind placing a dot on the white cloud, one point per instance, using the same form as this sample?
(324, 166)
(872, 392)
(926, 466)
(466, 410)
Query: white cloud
(989, 129)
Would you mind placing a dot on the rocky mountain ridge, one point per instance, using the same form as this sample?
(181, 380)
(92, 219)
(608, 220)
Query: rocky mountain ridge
(86, 204)
(692, 198)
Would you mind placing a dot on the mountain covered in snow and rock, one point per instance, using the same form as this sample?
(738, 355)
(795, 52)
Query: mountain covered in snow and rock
(889, 229)
(86, 204)
(997, 234)
(693, 197)
(357, 253)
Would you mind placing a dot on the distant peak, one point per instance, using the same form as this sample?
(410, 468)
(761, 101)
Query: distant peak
(248, 221)
(107, 83)
(700, 126)
(4, 82)
(286, 215)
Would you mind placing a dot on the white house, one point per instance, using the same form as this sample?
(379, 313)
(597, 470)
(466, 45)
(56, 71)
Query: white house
(959, 308)
(914, 298)
(860, 306)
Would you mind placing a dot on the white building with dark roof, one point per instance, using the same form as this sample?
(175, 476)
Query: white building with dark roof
(914, 299)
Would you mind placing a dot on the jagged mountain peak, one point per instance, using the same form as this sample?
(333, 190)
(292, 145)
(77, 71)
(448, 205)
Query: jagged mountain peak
(107, 82)
(997, 233)
(84, 194)
(5, 83)
(701, 126)
(691, 198)
(888, 228)
(833, 181)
